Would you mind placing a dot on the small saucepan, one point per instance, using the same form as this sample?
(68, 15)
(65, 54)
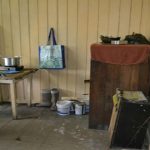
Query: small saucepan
(11, 61)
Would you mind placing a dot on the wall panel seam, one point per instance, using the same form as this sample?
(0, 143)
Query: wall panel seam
(20, 28)
(76, 48)
(108, 22)
(141, 16)
(119, 18)
(130, 17)
(11, 28)
(66, 49)
(86, 45)
(29, 34)
(98, 21)
(2, 29)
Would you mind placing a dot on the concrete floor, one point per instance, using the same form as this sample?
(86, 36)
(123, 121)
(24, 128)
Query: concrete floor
(42, 129)
(39, 128)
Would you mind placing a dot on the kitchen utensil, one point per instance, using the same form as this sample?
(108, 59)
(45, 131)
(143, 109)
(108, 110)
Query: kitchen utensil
(11, 61)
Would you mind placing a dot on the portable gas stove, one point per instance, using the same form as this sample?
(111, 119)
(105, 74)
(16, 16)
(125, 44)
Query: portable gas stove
(11, 68)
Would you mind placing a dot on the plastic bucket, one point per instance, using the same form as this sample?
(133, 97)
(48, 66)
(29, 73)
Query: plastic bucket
(85, 99)
(80, 108)
(87, 106)
(63, 107)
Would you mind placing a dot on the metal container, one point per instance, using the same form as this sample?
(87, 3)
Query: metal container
(80, 108)
(46, 97)
(11, 61)
(54, 98)
(115, 42)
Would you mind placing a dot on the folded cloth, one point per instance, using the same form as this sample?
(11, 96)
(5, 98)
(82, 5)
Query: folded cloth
(120, 54)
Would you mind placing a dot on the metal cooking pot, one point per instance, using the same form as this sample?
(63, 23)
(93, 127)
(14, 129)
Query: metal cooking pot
(11, 61)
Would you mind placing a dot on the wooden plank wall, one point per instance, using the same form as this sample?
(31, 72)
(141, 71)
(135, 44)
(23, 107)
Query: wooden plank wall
(24, 24)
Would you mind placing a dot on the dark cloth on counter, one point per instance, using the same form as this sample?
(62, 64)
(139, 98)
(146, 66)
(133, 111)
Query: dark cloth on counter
(120, 54)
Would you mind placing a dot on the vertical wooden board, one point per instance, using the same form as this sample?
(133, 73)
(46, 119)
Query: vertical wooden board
(134, 82)
(1, 42)
(125, 7)
(81, 48)
(72, 47)
(144, 82)
(135, 19)
(36, 92)
(15, 26)
(6, 25)
(24, 41)
(53, 22)
(6, 18)
(92, 35)
(44, 79)
(24, 29)
(27, 90)
(2, 47)
(112, 81)
(114, 18)
(33, 30)
(125, 77)
(5, 92)
(34, 36)
(145, 22)
(42, 21)
(53, 14)
(43, 37)
(15, 20)
(103, 17)
(62, 39)
(20, 91)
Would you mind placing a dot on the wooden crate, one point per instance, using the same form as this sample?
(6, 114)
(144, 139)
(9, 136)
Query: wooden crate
(129, 123)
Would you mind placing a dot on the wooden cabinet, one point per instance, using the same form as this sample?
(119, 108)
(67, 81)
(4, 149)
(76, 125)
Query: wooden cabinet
(104, 80)
(115, 66)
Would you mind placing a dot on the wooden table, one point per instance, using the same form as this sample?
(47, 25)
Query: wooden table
(11, 80)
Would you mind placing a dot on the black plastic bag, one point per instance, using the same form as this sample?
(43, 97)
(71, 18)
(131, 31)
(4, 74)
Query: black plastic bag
(136, 38)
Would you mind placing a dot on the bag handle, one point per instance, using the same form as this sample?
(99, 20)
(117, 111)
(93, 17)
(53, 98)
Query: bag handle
(51, 35)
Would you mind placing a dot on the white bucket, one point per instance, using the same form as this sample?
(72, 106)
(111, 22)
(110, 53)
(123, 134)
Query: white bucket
(80, 109)
(63, 107)
(87, 106)
(85, 98)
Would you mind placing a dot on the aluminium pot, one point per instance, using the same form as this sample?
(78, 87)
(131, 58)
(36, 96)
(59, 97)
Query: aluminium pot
(11, 61)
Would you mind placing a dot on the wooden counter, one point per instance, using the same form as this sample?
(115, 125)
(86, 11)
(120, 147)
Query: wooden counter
(105, 78)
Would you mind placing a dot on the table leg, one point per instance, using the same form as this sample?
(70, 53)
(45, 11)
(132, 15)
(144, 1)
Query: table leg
(29, 89)
(13, 99)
